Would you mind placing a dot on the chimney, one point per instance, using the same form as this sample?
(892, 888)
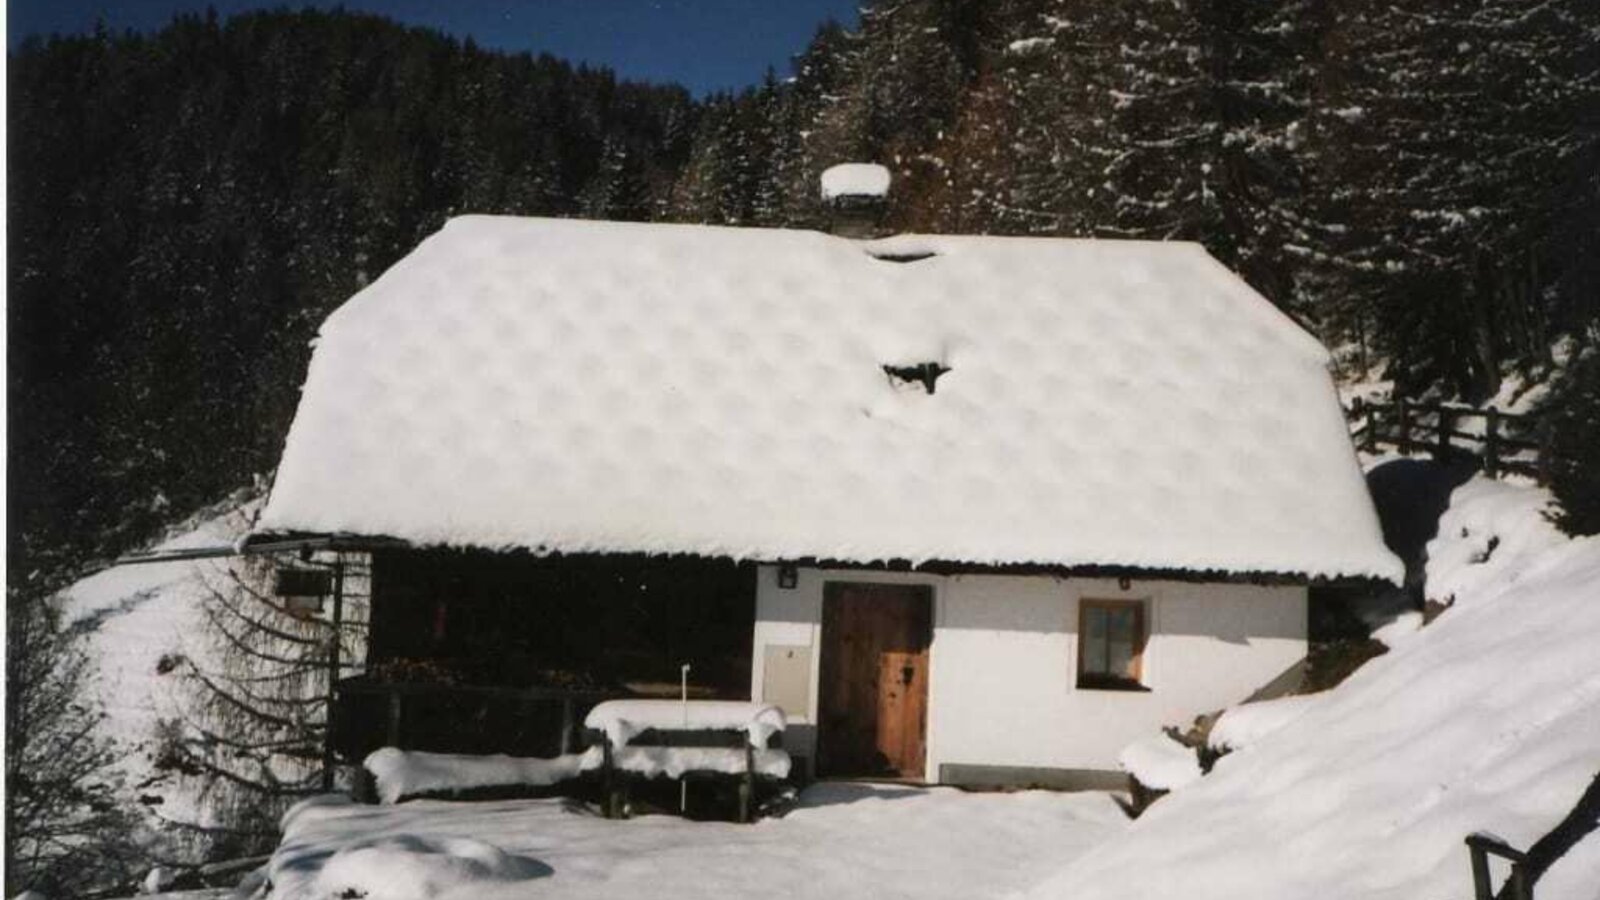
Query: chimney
(856, 195)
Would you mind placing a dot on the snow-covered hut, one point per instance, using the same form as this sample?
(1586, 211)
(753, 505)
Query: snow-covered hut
(1004, 505)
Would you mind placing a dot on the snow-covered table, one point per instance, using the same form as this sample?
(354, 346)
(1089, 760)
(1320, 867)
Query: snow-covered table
(686, 738)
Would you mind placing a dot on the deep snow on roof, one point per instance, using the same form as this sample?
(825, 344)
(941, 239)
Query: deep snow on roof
(573, 386)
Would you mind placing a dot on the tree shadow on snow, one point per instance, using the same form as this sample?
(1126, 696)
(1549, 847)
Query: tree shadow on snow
(1410, 496)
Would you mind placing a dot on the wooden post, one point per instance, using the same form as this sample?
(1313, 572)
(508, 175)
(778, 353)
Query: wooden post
(1482, 887)
(329, 757)
(1446, 420)
(1371, 439)
(1518, 882)
(608, 773)
(1491, 442)
(566, 725)
(396, 711)
(1517, 886)
(747, 786)
(1402, 414)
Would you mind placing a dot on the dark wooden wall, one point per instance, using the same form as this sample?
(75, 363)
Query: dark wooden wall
(517, 619)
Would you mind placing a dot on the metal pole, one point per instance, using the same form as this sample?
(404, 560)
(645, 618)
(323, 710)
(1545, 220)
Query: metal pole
(683, 785)
(329, 759)
(567, 720)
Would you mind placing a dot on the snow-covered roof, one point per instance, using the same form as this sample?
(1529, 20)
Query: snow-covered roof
(855, 180)
(572, 386)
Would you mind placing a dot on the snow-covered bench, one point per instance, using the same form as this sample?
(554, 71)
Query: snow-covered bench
(675, 739)
(407, 774)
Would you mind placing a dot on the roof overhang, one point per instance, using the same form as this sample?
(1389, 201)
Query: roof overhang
(263, 545)
(286, 543)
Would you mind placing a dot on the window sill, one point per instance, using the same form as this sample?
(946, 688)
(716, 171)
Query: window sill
(1108, 684)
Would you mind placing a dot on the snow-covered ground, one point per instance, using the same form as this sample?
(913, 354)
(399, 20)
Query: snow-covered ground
(843, 841)
(1487, 719)
(134, 616)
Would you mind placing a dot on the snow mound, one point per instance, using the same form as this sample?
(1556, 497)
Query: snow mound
(593, 387)
(1244, 726)
(1489, 535)
(406, 773)
(1160, 762)
(623, 720)
(855, 180)
(1488, 719)
(411, 867)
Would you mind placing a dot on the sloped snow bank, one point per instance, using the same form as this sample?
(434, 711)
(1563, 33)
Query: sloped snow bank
(1487, 719)
(409, 867)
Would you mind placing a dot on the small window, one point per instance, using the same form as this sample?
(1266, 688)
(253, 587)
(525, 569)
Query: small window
(1111, 639)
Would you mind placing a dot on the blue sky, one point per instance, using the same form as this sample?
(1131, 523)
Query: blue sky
(703, 44)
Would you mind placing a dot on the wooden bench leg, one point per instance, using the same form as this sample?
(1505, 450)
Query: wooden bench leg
(617, 799)
(747, 787)
(608, 782)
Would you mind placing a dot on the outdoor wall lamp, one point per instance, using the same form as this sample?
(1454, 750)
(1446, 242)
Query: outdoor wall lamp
(788, 576)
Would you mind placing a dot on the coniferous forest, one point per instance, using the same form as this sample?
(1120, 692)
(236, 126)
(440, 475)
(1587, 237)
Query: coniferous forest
(1421, 184)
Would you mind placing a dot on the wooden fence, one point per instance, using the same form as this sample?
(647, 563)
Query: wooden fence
(1504, 442)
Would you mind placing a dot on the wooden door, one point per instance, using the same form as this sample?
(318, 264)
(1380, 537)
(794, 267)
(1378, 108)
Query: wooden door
(873, 700)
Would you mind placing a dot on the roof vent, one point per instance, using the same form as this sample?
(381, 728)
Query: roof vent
(856, 195)
(926, 373)
(908, 257)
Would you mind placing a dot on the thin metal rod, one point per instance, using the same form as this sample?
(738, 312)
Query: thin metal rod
(328, 756)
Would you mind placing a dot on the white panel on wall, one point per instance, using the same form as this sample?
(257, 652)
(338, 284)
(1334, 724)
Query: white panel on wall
(786, 679)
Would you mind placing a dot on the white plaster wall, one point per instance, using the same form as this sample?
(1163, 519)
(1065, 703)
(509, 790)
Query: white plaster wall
(1004, 658)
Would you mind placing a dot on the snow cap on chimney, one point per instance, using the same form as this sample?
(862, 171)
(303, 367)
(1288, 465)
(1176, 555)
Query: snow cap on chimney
(855, 180)
(856, 195)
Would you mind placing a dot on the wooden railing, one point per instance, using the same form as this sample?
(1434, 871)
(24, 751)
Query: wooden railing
(1505, 442)
(1518, 885)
